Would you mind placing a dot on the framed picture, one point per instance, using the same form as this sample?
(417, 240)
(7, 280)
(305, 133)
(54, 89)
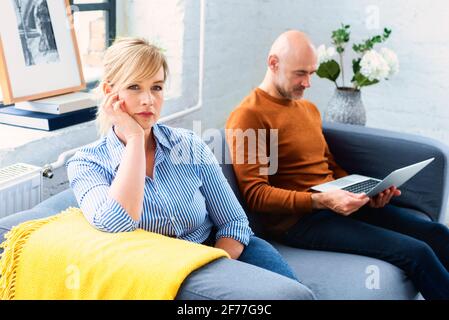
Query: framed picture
(39, 55)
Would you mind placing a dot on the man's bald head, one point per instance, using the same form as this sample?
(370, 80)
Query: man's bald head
(291, 44)
(291, 62)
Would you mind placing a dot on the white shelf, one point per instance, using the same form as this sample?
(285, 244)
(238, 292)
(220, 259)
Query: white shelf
(16, 136)
(41, 147)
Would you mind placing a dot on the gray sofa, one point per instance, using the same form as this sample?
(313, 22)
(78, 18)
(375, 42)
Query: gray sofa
(363, 150)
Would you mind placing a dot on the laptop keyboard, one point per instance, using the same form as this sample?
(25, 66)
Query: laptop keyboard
(362, 187)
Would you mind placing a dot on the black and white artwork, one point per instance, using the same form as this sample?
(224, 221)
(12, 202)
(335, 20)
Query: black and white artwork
(36, 32)
(39, 54)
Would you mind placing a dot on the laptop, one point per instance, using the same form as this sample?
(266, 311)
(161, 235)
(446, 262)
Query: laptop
(370, 186)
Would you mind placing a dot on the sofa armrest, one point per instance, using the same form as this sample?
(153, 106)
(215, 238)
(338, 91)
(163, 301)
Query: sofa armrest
(59, 202)
(377, 152)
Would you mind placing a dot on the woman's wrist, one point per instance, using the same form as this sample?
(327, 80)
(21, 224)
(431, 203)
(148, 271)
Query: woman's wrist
(233, 247)
(135, 139)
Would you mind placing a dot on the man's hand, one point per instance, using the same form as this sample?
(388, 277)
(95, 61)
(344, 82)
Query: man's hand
(339, 201)
(231, 246)
(383, 198)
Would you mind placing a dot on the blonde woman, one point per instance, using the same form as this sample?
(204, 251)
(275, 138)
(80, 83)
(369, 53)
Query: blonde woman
(134, 177)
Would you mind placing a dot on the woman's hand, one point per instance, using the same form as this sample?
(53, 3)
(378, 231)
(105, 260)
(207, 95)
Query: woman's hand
(115, 109)
(231, 246)
(127, 188)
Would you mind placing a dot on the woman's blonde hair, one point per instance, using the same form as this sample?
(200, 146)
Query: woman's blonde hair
(127, 61)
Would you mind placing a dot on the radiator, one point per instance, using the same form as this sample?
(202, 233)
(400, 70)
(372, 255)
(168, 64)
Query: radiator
(20, 188)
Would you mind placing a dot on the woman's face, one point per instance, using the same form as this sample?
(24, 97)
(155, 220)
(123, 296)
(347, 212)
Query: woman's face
(143, 100)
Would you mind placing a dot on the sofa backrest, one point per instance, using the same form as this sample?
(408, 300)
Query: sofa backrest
(223, 158)
(377, 152)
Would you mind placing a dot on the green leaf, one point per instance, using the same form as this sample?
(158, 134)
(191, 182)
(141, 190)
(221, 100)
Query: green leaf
(357, 48)
(361, 81)
(356, 65)
(329, 70)
(386, 35)
(341, 36)
(369, 44)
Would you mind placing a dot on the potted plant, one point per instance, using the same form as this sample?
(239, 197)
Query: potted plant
(369, 67)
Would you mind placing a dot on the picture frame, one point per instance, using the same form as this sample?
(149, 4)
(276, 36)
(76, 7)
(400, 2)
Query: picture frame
(39, 55)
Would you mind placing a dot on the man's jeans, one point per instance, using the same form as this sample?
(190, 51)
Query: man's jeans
(392, 234)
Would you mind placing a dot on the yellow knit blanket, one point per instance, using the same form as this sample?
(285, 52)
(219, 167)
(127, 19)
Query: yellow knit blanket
(64, 258)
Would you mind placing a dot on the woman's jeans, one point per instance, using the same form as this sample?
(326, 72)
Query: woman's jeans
(262, 254)
(393, 234)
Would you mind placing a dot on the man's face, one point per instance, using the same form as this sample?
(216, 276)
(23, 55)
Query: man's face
(293, 74)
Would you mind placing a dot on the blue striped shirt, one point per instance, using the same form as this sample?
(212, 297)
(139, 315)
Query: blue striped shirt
(187, 197)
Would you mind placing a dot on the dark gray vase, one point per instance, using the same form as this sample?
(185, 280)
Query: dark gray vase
(346, 106)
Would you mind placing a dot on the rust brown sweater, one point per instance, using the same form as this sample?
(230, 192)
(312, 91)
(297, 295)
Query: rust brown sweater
(304, 159)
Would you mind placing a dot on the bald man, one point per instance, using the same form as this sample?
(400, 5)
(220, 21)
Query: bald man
(283, 201)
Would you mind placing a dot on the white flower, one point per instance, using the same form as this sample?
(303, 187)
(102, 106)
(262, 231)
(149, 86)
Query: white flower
(374, 67)
(325, 55)
(392, 60)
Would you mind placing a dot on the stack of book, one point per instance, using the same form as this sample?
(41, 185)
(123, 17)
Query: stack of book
(51, 113)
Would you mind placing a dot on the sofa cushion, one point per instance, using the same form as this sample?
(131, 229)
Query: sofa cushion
(342, 276)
